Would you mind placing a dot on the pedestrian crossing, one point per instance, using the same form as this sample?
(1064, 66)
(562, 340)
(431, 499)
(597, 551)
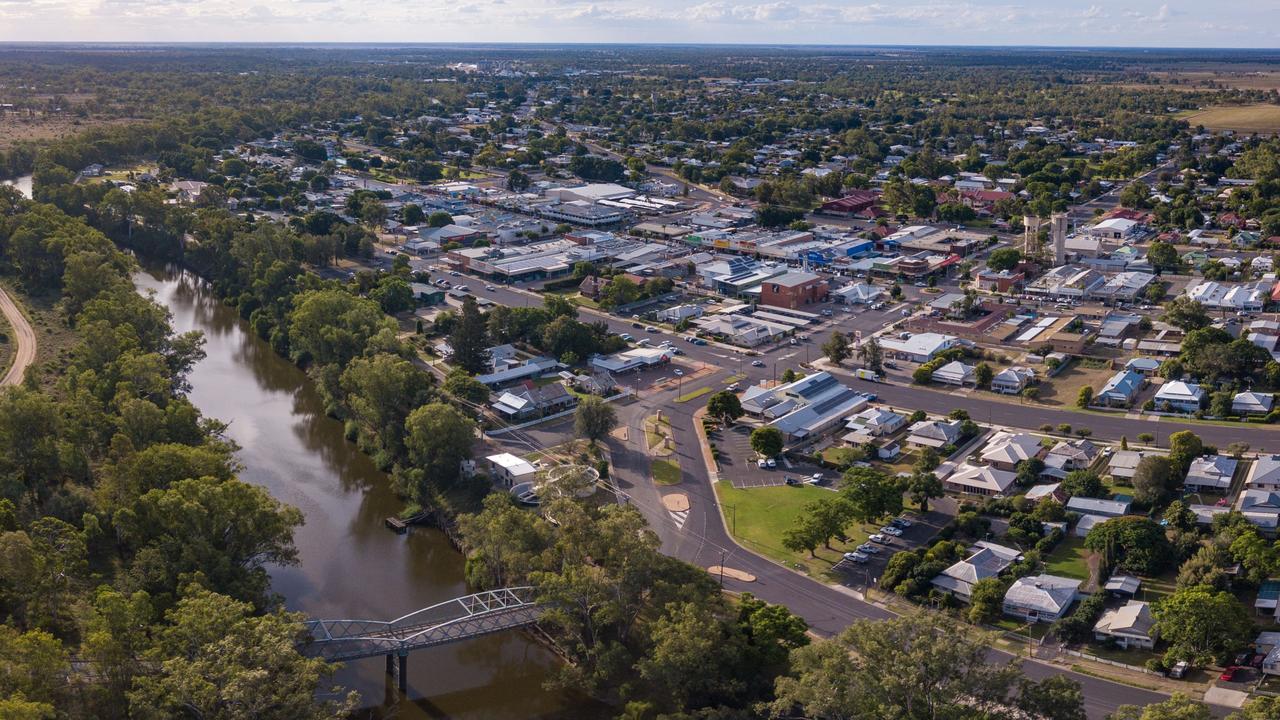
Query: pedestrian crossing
(679, 518)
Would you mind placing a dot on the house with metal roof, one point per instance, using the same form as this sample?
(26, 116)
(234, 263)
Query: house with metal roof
(806, 407)
(1121, 389)
(1252, 403)
(1264, 474)
(955, 373)
(983, 563)
(934, 433)
(1005, 450)
(1211, 473)
(1098, 506)
(979, 480)
(919, 348)
(1180, 396)
(1131, 625)
(1012, 380)
(1042, 598)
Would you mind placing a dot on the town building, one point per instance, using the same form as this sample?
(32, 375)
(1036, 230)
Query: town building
(510, 469)
(1005, 450)
(934, 433)
(804, 408)
(955, 373)
(979, 480)
(1129, 626)
(1264, 474)
(1012, 380)
(1179, 396)
(1121, 389)
(1211, 473)
(793, 290)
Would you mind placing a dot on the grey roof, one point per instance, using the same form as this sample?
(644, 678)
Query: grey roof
(1046, 593)
(1097, 506)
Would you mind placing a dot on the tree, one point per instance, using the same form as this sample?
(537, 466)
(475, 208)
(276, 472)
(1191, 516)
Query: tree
(1132, 543)
(915, 667)
(1004, 259)
(1186, 313)
(871, 493)
(1202, 625)
(332, 326)
(439, 219)
(517, 181)
(228, 530)
(464, 387)
(724, 406)
(987, 600)
(837, 348)
(767, 441)
(411, 214)
(982, 375)
(1085, 397)
(1135, 194)
(438, 437)
(1259, 708)
(594, 419)
(470, 339)
(217, 660)
(1177, 707)
(1154, 479)
(872, 355)
(1184, 447)
(381, 391)
(924, 486)
(393, 295)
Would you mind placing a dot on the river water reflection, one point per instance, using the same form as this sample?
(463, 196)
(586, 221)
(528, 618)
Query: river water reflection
(351, 566)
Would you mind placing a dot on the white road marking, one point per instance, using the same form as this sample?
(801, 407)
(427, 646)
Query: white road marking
(679, 518)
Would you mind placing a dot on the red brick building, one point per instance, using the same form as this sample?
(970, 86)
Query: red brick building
(793, 290)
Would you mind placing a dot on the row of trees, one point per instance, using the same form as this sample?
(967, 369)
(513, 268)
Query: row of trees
(128, 541)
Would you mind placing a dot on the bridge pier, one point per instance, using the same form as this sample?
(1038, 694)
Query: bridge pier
(398, 668)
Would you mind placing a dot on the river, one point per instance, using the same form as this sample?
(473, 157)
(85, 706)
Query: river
(23, 184)
(351, 566)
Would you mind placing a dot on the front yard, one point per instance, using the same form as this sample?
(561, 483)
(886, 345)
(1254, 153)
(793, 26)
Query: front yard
(1069, 559)
(1062, 390)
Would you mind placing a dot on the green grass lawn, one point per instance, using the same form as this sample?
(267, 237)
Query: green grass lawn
(1136, 656)
(693, 394)
(1014, 625)
(759, 516)
(665, 472)
(842, 456)
(1069, 559)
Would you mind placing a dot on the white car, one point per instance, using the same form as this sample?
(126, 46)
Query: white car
(733, 387)
(868, 548)
(678, 372)
(901, 522)
(817, 477)
(856, 557)
(771, 463)
(757, 363)
(762, 463)
(882, 539)
(490, 288)
(891, 530)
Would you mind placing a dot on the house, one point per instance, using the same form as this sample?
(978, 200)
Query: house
(1252, 403)
(955, 373)
(859, 293)
(1180, 396)
(1131, 625)
(1262, 508)
(1264, 474)
(528, 401)
(979, 480)
(1145, 366)
(510, 469)
(1041, 598)
(1053, 491)
(1268, 600)
(875, 422)
(1121, 389)
(1123, 586)
(1269, 643)
(1124, 463)
(934, 433)
(678, 313)
(1005, 450)
(1098, 506)
(1071, 455)
(987, 561)
(1085, 523)
(1012, 380)
(1211, 473)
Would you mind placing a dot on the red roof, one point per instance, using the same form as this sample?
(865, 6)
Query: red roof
(991, 196)
(853, 202)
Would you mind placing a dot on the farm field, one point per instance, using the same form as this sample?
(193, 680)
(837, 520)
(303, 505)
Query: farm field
(1240, 118)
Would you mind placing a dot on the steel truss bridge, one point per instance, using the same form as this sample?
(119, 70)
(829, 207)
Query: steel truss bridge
(447, 622)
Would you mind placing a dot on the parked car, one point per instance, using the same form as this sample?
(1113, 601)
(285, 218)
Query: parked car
(901, 522)
(891, 530)
(627, 336)
(868, 548)
(455, 273)
(1229, 674)
(882, 539)
(817, 477)
(790, 480)
(678, 372)
(733, 387)
(638, 326)
(490, 288)
(827, 312)
(856, 557)
(771, 463)
(761, 463)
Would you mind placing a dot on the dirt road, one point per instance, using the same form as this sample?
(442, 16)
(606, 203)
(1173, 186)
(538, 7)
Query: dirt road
(25, 353)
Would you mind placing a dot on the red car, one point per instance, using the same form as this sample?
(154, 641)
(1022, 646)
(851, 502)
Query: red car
(1229, 674)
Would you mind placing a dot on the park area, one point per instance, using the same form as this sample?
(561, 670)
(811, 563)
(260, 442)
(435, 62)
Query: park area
(757, 517)
(1262, 118)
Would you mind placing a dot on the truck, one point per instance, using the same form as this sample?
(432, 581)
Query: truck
(865, 374)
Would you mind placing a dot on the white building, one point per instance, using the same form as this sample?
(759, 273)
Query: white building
(1132, 625)
(1042, 598)
(511, 469)
(1210, 474)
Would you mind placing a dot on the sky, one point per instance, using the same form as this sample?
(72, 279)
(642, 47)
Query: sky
(1127, 23)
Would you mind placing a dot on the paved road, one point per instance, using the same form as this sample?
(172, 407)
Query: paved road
(26, 339)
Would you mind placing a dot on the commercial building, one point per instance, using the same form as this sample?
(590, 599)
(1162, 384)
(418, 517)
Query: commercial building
(920, 347)
(793, 290)
(804, 408)
(631, 360)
